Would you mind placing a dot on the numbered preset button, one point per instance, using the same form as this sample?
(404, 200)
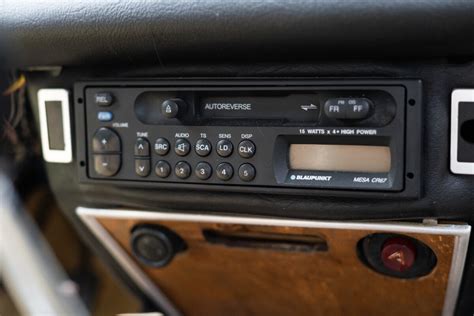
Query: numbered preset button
(224, 171)
(182, 170)
(246, 172)
(203, 170)
(162, 169)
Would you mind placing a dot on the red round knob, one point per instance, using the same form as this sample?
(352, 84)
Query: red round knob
(398, 254)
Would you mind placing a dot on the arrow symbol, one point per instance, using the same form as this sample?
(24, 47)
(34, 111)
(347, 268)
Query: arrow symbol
(309, 107)
(104, 141)
(398, 256)
(141, 168)
(140, 146)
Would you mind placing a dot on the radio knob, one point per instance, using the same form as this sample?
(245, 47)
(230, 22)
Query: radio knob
(173, 108)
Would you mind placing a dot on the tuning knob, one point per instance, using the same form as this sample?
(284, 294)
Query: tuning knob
(173, 108)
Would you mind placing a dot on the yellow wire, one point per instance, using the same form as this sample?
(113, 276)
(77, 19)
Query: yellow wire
(20, 82)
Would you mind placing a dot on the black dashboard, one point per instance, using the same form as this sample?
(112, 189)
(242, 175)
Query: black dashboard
(439, 192)
(212, 107)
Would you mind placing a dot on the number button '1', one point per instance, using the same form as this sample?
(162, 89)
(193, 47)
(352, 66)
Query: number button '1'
(162, 169)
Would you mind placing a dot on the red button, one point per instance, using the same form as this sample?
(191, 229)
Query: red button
(398, 254)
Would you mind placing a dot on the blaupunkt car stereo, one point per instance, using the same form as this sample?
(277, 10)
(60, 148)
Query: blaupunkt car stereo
(295, 136)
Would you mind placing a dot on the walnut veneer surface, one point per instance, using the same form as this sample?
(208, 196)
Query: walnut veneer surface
(210, 279)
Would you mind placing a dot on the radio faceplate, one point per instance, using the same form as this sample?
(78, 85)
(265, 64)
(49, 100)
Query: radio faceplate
(296, 136)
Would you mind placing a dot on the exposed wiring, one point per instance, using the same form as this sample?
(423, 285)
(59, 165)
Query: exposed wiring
(15, 129)
(15, 86)
(17, 99)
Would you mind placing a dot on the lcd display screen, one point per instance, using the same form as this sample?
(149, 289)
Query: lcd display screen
(344, 158)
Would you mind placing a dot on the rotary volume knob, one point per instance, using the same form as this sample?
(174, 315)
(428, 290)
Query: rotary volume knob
(173, 108)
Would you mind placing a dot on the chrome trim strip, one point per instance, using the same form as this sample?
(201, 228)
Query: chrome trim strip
(126, 262)
(461, 231)
(455, 273)
(457, 96)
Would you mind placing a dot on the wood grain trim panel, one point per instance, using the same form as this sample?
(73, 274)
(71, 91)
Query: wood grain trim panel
(211, 279)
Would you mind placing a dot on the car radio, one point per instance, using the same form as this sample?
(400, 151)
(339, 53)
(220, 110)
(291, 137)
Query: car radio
(279, 136)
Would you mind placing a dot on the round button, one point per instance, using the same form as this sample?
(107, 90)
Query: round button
(224, 171)
(246, 172)
(170, 109)
(398, 254)
(182, 170)
(162, 169)
(152, 249)
(103, 99)
(182, 147)
(203, 147)
(224, 148)
(162, 146)
(155, 245)
(246, 149)
(203, 170)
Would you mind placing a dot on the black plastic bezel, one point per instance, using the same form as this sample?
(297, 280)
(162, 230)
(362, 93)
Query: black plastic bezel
(412, 144)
